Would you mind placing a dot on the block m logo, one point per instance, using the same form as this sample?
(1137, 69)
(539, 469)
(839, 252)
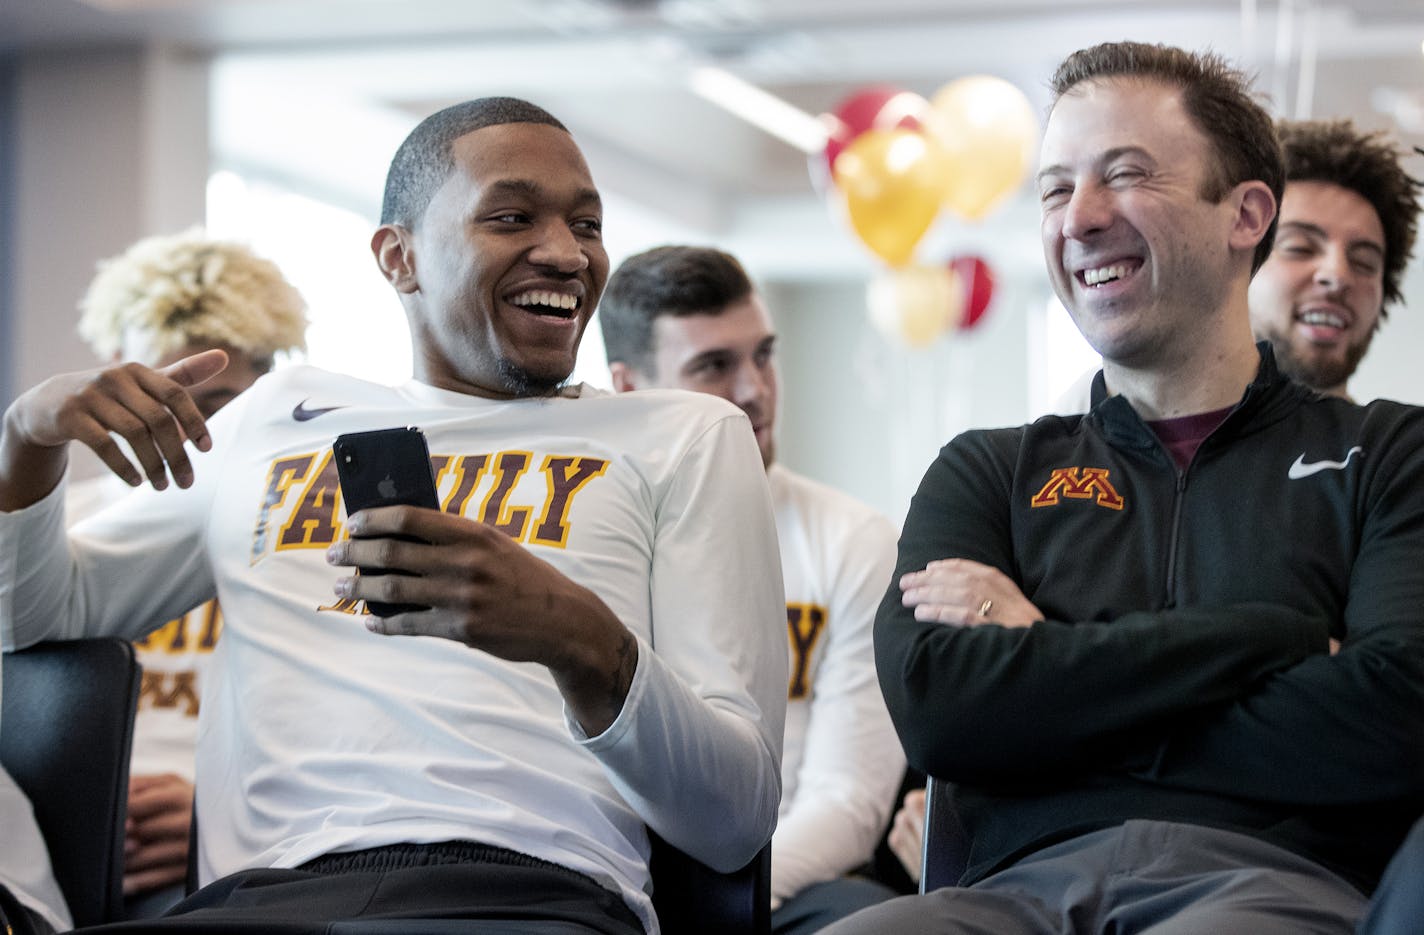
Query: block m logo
(1078, 484)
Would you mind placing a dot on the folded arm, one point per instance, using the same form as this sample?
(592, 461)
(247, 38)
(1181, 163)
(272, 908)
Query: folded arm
(1334, 729)
(985, 703)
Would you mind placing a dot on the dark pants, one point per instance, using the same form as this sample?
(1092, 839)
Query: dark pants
(820, 904)
(151, 904)
(1148, 877)
(409, 889)
(1398, 905)
(17, 920)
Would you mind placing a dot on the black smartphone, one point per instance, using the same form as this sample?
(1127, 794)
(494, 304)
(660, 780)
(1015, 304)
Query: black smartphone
(384, 468)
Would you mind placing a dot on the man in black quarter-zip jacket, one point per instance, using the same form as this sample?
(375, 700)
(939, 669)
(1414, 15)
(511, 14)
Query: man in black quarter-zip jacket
(1171, 652)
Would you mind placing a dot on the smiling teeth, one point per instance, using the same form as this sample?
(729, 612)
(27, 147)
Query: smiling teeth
(1328, 319)
(1094, 277)
(551, 299)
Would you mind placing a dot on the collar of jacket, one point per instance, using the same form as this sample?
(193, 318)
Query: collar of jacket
(1270, 397)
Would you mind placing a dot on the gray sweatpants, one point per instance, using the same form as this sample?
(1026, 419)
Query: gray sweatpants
(1142, 878)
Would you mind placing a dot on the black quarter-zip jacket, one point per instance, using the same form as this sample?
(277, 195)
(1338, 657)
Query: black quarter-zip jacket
(1183, 669)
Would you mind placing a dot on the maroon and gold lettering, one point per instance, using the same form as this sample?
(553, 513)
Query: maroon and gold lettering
(313, 523)
(804, 624)
(285, 472)
(439, 467)
(172, 637)
(153, 691)
(566, 476)
(347, 605)
(469, 469)
(510, 520)
(1068, 482)
(212, 626)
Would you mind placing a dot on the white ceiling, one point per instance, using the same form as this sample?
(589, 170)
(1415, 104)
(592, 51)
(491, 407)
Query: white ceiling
(616, 72)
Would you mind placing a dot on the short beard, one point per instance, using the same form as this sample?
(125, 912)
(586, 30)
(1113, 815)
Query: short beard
(523, 384)
(1320, 375)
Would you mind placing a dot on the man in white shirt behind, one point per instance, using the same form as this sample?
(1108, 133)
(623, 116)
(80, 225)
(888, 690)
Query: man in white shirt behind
(689, 318)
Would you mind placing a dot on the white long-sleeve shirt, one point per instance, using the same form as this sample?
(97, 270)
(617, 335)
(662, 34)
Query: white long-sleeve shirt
(842, 763)
(317, 736)
(174, 659)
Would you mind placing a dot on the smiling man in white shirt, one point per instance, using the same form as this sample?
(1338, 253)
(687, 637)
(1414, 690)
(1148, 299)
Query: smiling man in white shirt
(688, 317)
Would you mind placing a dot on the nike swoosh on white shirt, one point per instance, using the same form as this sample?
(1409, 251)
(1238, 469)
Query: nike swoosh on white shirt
(301, 413)
(1300, 469)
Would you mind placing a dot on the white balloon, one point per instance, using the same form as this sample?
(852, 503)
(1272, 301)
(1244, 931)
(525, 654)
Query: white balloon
(915, 304)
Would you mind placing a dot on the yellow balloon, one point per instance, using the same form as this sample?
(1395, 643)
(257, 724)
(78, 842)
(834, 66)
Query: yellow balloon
(915, 304)
(989, 132)
(894, 182)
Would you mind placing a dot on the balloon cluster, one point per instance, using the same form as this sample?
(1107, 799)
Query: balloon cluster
(897, 160)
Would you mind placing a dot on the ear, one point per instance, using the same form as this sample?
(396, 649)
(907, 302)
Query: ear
(394, 249)
(625, 378)
(1255, 207)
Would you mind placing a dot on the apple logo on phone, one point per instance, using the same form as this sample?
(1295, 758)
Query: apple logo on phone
(387, 488)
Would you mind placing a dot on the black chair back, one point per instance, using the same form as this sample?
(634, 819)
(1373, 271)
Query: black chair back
(689, 896)
(946, 847)
(65, 735)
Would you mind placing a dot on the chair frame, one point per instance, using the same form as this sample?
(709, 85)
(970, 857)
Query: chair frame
(689, 896)
(945, 852)
(66, 733)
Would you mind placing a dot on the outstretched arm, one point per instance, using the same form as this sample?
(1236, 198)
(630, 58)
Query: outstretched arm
(98, 578)
(149, 409)
(982, 703)
(1343, 728)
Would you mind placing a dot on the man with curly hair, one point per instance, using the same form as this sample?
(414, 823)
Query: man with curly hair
(1347, 226)
(163, 299)
(168, 297)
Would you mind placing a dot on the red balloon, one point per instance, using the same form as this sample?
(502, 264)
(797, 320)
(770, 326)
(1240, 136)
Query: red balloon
(878, 107)
(978, 280)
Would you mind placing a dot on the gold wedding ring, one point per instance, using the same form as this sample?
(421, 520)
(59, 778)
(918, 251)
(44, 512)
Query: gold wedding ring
(985, 607)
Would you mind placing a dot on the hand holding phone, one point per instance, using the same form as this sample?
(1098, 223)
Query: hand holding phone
(385, 468)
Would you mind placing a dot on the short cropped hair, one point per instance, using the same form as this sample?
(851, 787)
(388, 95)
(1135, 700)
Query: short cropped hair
(188, 288)
(1367, 164)
(1216, 96)
(671, 280)
(424, 161)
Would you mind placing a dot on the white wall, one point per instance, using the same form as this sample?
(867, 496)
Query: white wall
(1392, 370)
(868, 414)
(109, 146)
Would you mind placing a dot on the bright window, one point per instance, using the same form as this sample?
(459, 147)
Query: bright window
(357, 325)
(1062, 366)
